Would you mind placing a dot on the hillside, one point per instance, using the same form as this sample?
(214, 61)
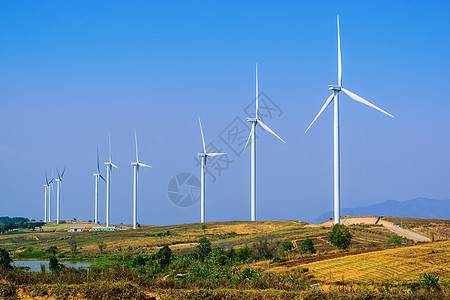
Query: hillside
(416, 208)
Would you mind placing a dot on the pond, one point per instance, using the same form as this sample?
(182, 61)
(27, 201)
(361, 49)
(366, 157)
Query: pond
(35, 265)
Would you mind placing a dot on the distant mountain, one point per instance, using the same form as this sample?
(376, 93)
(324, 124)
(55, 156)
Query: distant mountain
(416, 208)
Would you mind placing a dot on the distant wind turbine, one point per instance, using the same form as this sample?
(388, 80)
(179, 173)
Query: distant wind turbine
(204, 156)
(335, 96)
(252, 137)
(50, 189)
(136, 165)
(46, 185)
(97, 176)
(58, 191)
(109, 165)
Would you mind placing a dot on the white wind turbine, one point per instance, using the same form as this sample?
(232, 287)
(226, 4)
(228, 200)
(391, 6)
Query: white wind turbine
(58, 191)
(97, 176)
(204, 156)
(252, 136)
(109, 165)
(46, 185)
(136, 166)
(335, 96)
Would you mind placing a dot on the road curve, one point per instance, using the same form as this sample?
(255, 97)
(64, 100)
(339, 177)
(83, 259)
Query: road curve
(408, 234)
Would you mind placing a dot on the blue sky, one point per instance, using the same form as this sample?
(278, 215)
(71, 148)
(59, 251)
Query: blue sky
(70, 72)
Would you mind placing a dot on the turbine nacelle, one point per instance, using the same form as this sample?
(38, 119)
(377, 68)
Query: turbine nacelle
(252, 120)
(201, 154)
(334, 88)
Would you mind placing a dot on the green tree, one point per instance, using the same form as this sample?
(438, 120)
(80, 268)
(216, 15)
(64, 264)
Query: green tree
(307, 246)
(101, 247)
(164, 256)
(52, 250)
(340, 236)
(203, 248)
(219, 257)
(138, 261)
(54, 265)
(286, 248)
(72, 245)
(5, 260)
(243, 254)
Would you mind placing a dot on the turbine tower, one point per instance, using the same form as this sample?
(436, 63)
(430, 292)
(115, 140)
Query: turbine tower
(45, 197)
(255, 121)
(204, 156)
(109, 165)
(335, 96)
(136, 166)
(97, 176)
(58, 191)
(50, 189)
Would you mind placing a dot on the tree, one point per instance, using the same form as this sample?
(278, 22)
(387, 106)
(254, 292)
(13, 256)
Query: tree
(52, 250)
(54, 265)
(219, 256)
(286, 248)
(203, 248)
(5, 260)
(243, 254)
(340, 236)
(165, 256)
(101, 247)
(72, 245)
(307, 246)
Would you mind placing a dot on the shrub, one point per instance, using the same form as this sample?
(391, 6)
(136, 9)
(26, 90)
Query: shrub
(430, 282)
(243, 254)
(340, 236)
(219, 258)
(72, 245)
(101, 247)
(286, 248)
(394, 240)
(138, 261)
(52, 250)
(307, 246)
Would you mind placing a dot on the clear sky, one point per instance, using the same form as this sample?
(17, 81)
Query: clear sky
(72, 71)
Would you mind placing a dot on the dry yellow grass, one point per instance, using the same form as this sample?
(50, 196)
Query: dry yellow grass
(395, 265)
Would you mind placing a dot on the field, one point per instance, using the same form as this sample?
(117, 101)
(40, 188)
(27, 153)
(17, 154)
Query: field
(129, 265)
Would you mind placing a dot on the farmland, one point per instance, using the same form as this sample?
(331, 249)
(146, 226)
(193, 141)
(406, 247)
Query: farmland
(247, 261)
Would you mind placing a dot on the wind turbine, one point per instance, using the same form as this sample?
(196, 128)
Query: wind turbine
(109, 165)
(255, 121)
(136, 165)
(58, 191)
(97, 176)
(204, 156)
(335, 96)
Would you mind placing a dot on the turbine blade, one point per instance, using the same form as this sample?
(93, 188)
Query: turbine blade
(135, 139)
(364, 101)
(215, 154)
(144, 165)
(114, 166)
(46, 178)
(321, 110)
(203, 138)
(256, 114)
(110, 156)
(102, 177)
(98, 163)
(59, 176)
(62, 174)
(339, 55)
(248, 140)
(266, 128)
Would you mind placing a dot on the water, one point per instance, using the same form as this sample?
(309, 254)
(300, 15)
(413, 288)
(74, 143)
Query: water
(35, 265)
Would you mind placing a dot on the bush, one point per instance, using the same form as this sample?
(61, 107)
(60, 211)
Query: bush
(243, 254)
(340, 236)
(52, 250)
(72, 245)
(394, 240)
(219, 258)
(286, 248)
(138, 261)
(430, 282)
(307, 246)
(101, 247)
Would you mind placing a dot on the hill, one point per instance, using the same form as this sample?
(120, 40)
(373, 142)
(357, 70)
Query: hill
(416, 208)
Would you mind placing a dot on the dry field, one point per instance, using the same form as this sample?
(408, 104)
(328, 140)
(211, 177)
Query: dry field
(397, 265)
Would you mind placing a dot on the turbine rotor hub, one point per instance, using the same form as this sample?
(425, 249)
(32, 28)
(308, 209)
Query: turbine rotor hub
(334, 88)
